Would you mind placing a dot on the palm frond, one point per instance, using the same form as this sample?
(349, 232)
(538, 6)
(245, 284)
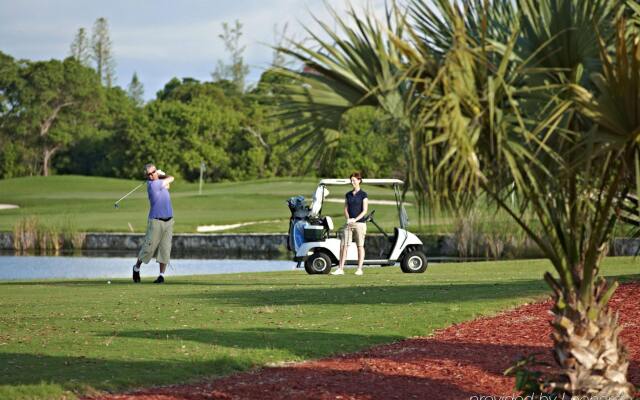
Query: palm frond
(356, 66)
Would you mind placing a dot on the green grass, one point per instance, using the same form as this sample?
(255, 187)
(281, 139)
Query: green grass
(81, 336)
(86, 203)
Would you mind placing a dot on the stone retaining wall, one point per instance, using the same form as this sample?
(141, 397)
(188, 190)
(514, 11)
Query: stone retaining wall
(270, 244)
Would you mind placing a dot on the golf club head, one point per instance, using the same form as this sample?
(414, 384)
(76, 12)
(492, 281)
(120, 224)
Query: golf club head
(115, 205)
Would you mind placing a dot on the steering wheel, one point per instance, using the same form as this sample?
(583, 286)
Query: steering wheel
(369, 217)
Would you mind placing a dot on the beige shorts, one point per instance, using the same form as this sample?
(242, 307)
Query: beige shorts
(157, 242)
(359, 230)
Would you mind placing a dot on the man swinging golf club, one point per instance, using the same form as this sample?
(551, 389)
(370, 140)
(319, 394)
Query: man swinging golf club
(157, 241)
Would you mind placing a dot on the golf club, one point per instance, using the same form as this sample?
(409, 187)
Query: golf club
(123, 197)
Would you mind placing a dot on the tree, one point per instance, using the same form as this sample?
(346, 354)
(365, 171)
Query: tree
(136, 90)
(80, 49)
(365, 146)
(237, 70)
(9, 73)
(99, 146)
(519, 101)
(102, 53)
(14, 155)
(190, 122)
(49, 102)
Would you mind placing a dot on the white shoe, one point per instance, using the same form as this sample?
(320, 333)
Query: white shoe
(339, 271)
(359, 272)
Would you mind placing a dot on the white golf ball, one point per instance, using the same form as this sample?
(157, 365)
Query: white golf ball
(108, 282)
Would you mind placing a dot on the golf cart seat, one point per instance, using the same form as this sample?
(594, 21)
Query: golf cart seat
(328, 223)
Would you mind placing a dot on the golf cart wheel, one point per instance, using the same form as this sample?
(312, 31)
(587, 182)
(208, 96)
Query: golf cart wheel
(318, 263)
(414, 262)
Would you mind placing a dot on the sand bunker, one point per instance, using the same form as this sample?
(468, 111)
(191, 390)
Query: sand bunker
(218, 228)
(8, 206)
(382, 202)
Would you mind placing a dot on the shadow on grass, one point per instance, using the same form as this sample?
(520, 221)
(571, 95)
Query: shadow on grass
(313, 281)
(78, 373)
(299, 342)
(359, 294)
(622, 279)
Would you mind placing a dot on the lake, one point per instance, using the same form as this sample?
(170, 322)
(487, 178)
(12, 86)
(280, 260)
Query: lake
(61, 267)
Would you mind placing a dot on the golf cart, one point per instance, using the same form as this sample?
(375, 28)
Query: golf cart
(313, 239)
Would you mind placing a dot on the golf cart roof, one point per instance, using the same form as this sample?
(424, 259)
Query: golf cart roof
(345, 181)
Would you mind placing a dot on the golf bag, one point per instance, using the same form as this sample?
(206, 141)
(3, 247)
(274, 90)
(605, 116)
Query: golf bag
(299, 217)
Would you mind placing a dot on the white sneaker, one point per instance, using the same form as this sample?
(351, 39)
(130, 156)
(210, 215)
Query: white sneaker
(338, 272)
(359, 272)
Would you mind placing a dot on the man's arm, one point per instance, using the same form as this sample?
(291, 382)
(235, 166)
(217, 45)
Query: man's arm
(166, 181)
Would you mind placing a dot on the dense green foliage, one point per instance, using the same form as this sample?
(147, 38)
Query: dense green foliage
(87, 335)
(57, 118)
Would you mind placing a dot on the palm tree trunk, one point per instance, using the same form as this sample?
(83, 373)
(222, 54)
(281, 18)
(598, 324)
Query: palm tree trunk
(586, 346)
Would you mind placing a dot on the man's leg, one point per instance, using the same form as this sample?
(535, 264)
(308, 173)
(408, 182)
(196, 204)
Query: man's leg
(146, 250)
(160, 279)
(164, 249)
(136, 271)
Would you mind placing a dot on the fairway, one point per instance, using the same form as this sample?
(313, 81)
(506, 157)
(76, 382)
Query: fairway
(85, 204)
(82, 336)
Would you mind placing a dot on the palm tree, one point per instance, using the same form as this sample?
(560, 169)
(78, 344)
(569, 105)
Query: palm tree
(527, 118)
(522, 102)
(342, 74)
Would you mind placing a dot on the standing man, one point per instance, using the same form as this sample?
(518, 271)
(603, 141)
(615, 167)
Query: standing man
(356, 205)
(157, 241)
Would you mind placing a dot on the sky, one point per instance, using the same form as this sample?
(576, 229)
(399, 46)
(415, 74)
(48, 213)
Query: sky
(161, 39)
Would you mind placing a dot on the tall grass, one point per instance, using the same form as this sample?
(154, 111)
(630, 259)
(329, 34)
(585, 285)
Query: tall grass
(30, 234)
(72, 238)
(491, 234)
(25, 234)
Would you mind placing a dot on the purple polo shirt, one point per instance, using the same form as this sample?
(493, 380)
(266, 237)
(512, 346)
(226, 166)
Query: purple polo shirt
(159, 200)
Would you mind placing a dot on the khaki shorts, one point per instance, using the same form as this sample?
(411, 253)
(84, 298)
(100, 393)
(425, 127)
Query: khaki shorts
(157, 242)
(359, 230)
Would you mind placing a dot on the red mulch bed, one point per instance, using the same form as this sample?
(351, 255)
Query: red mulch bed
(458, 362)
